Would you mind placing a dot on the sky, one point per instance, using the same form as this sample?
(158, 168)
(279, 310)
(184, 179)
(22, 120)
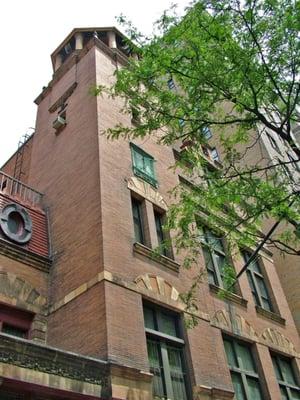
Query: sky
(29, 32)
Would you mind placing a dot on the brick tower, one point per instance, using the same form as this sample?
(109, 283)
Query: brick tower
(86, 311)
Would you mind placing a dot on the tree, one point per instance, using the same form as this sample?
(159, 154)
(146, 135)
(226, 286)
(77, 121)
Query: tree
(231, 67)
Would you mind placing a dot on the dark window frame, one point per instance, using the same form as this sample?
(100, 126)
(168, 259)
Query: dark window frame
(287, 387)
(239, 370)
(213, 254)
(254, 277)
(138, 220)
(165, 342)
(160, 233)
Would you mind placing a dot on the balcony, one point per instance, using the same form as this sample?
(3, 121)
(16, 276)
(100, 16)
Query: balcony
(17, 190)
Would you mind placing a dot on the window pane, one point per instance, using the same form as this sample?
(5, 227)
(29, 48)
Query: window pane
(149, 318)
(266, 304)
(137, 221)
(254, 293)
(214, 241)
(262, 287)
(287, 372)
(177, 374)
(160, 233)
(295, 394)
(14, 331)
(143, 165)
(139, 160)
(284, 394)
(167, 324)
(276, 369)
(244, 357)
(230, 354)
(156, 368)
(254, 388)
(209, 266)
(238, 387)
(148, 166)
(158, 224)
(221, 261)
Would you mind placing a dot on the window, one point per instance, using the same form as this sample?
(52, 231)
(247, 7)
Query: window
(214, 154)
(243, 371)
(171, 84)
(158, 217)
(214, 256)
(211, 153)
(143, 165)
(15, 322)
(257, 283)
(137, 220)
(165, 353)
(135, 116)
(206, 132)
(289, 388)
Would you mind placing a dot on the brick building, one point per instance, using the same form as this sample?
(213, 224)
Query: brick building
(86, 311)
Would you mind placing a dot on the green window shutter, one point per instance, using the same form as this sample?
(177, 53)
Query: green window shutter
(143, 165)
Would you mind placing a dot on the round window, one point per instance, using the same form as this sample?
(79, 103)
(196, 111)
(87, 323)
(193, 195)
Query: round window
(16, 223)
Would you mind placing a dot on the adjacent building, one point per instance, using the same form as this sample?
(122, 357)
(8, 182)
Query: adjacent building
(86, 310)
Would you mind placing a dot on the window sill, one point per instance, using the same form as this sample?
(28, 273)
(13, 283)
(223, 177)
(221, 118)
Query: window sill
(270, 315)
(141, 174)
(235, 298)
(147, 252)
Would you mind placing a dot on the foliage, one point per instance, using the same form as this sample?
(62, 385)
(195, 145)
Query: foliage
(233, 67)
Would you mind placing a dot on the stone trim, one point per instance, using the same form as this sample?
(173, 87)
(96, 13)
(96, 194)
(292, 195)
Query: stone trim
(75, 57)
(26, 354)
(237, 325)
(21, 293)
(235, 298)
(147, 191)
(157, 285)
(270, 315)
(13, 251)
(159, 258)
(275, 339)
(234, 324)
(202, 392)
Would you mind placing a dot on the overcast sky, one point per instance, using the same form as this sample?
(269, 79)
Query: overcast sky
(30, 30)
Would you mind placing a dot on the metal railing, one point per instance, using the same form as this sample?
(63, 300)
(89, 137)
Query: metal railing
(14, 188)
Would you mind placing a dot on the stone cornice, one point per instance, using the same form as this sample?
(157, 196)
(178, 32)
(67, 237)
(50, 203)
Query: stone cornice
(26, 354)
(75, 57)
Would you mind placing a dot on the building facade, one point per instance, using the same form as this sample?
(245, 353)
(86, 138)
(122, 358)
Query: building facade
(87, 310)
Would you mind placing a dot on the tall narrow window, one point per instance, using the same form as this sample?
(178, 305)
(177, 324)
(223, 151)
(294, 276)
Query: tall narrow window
(160, 233)
(171, 84)
(137, 220)
(143, 165)
(243, 371)
(286, 379)
(257, 284)
(206, 132)
(214, 256)
(165, 353)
